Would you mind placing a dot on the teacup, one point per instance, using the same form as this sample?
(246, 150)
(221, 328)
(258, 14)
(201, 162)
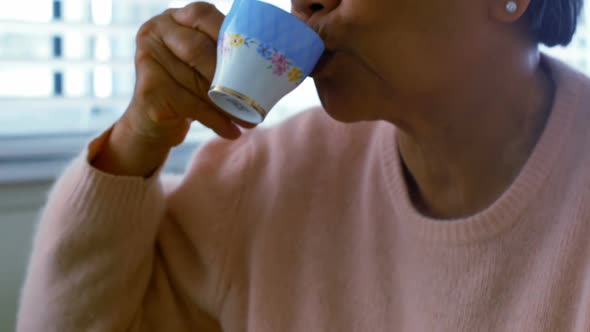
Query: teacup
(263, 53)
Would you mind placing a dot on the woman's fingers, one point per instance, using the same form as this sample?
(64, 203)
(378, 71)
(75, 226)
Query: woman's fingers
(189, 57)
(165, 102)
(192, 47)
(200, 16)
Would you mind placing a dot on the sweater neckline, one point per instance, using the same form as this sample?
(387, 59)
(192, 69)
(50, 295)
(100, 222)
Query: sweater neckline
(507, 209)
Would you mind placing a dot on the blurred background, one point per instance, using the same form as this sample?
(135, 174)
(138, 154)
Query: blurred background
(66, 74)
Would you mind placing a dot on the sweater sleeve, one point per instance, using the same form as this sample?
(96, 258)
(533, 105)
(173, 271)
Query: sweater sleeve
(111, 254)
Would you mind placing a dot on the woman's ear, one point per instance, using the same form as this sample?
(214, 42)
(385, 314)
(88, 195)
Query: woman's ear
(508, 11)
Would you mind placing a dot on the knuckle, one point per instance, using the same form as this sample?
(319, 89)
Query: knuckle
(142, 56)
(145, 91)
(161, 115)
(198, 10)
(147, 86)
(170, 11)
(146, 31)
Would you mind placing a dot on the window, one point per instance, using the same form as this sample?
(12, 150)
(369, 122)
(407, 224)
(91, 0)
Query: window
(66, 73)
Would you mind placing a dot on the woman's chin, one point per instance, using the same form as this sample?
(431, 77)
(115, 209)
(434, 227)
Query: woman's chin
(342, 112)
(348, 90)
(339, 104)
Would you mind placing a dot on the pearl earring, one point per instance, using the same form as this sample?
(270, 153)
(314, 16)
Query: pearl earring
(511, 7)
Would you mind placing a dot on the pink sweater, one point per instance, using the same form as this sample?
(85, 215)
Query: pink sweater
(308, 227)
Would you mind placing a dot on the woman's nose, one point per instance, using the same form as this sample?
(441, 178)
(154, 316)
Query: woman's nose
(307, 8)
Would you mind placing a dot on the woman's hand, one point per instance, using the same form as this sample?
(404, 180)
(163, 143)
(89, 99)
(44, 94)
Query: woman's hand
(175, 62)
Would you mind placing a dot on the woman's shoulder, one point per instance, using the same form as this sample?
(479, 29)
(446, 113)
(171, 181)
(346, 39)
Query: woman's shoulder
(571, 83)
(568, 128)
(571, 105)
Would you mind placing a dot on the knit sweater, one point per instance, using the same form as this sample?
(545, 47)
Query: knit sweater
(309, 227)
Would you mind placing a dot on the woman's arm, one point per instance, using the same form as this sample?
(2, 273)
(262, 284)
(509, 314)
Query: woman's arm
(93, 253)
(106, 255)
(116, 253)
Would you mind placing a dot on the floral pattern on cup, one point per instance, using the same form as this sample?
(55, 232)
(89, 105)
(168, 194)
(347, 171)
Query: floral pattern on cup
(266, 51)
(295, 74)
(279, 64)
(236, 40)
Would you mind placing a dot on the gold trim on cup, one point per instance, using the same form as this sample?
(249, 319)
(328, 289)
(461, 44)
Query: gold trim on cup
(241, 97)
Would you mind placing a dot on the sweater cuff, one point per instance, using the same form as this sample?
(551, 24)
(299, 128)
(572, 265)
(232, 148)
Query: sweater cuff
(96, 195)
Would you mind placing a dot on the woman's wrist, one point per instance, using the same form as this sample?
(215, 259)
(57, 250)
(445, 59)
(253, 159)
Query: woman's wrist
(125, 154)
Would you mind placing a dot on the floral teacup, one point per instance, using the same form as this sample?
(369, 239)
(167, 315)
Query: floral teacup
(263, 53)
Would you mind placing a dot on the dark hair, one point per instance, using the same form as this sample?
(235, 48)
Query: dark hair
(554, 22)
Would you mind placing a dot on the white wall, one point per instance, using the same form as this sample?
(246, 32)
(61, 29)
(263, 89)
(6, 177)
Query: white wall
(19, 207)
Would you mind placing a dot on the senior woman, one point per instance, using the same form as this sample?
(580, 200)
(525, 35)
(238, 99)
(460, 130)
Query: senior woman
(445, 186)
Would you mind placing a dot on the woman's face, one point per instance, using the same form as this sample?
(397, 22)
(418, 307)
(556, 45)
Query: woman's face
(387, 54)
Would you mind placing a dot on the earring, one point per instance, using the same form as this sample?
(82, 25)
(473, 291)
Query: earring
(511, 7)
